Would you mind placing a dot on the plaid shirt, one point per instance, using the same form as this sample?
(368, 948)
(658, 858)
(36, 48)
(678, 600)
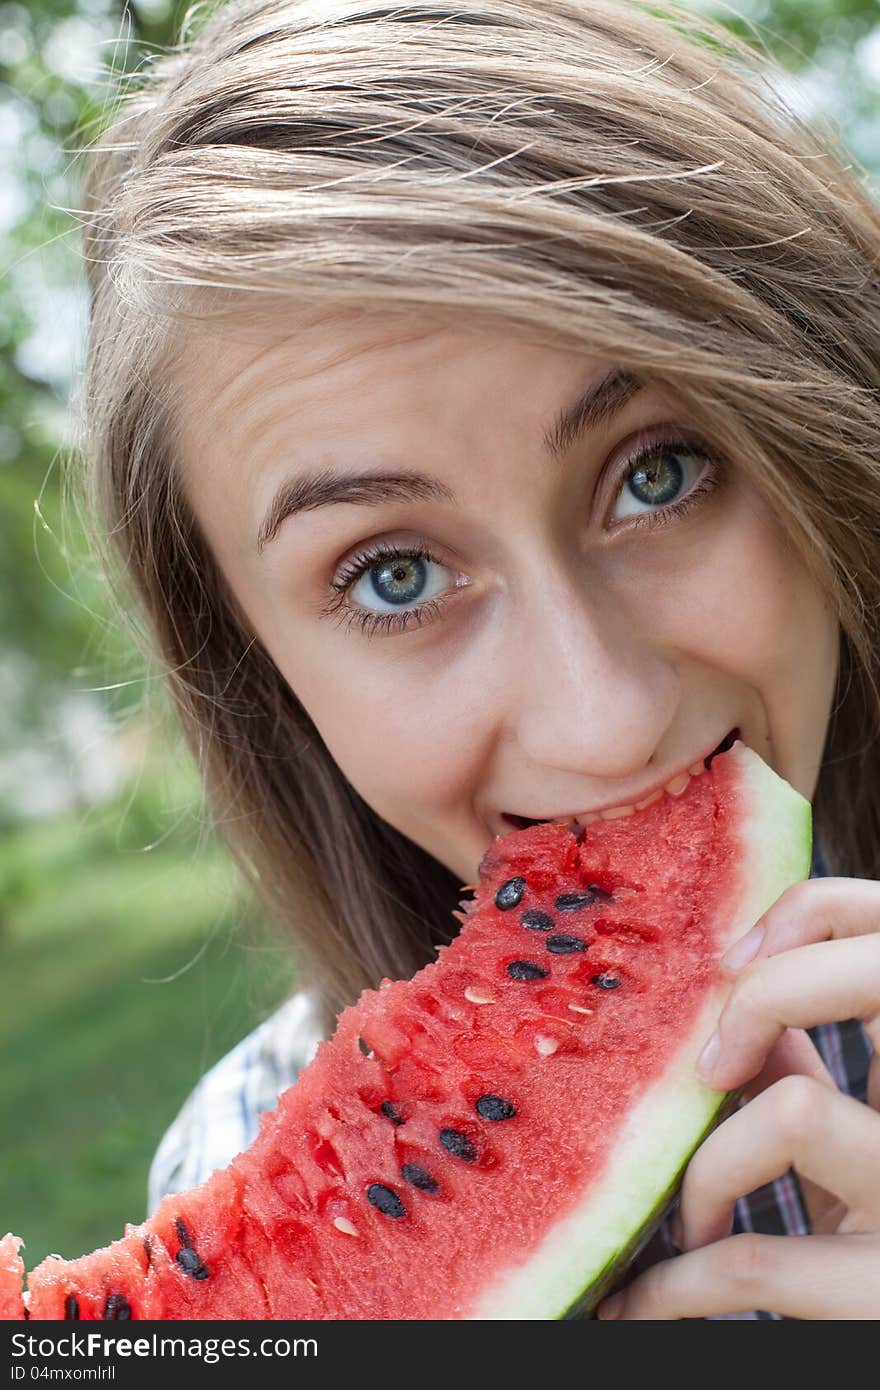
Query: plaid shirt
(221, 1116)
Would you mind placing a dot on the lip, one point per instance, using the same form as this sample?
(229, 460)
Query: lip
(736, 731)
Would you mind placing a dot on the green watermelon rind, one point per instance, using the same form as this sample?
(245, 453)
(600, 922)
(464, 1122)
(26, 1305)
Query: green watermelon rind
(584, 1306)
(586, 1251)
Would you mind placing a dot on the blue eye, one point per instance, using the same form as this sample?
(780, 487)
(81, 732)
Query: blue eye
(660, 477)
(397, 582)
(398, 579)
(395, 588)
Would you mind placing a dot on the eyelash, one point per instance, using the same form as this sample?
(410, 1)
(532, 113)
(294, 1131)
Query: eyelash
(373, 624)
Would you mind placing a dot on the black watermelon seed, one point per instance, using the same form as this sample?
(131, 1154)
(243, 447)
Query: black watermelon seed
(392, 1112)
(510, 894)
(565, 945)
(419, 1178)
(187, 1257)
(365, 1047)
(385, 1199)
(606, 981)
(598, 892)
(116, 1309)
(537, 921)
(526, 970)
(459, 1145)
(71, 1308)
(495, 1108)
(189, 1262)
(570, 902)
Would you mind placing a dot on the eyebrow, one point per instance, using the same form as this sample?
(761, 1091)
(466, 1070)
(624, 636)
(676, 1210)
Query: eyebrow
(595, 406)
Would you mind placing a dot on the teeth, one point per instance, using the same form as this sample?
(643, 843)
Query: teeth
(678, 784)
(655, 796)
(675, 787)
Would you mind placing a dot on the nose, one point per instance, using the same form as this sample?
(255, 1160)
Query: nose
(598, 692)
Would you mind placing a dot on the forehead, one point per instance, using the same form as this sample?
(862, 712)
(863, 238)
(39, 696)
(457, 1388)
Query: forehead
(232, 370)
(255, 402)
(234, 367)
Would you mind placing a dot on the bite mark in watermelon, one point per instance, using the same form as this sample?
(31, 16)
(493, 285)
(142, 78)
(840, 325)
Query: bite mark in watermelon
(495, 1137)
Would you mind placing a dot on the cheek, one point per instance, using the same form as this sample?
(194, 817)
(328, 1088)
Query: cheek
(394, 732)
(739, 599)
(778, 628)
(740, 606)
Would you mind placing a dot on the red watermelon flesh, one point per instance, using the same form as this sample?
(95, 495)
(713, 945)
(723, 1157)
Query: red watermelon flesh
(11, 1276)
(494, 1137)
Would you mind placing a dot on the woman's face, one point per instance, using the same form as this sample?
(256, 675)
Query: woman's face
(549, 635)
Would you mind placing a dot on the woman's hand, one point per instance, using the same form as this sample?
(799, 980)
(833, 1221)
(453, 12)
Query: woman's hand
(814, 957)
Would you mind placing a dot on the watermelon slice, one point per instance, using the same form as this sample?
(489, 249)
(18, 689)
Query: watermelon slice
(11, 1275)
(495, 1137)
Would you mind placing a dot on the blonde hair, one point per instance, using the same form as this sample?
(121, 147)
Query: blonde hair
(602, 176)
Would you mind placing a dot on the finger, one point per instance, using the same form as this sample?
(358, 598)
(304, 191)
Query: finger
(794, 1054)
(874, 1080)
(809, 912)
(816, 909)
(797, 1055)
(829, 1277)
(823, 983)
(829, 1138)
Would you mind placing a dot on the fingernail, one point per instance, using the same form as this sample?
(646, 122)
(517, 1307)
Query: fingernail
(744, 950)
(708, 1057)
(611, 1308)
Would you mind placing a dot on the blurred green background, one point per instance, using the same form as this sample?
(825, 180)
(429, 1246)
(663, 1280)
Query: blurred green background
(130, 959)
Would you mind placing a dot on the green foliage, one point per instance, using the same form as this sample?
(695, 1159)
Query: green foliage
(797, 30)
(53, 605)
(123, 975)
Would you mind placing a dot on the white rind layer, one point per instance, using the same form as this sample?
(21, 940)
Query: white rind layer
(667, 1123)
